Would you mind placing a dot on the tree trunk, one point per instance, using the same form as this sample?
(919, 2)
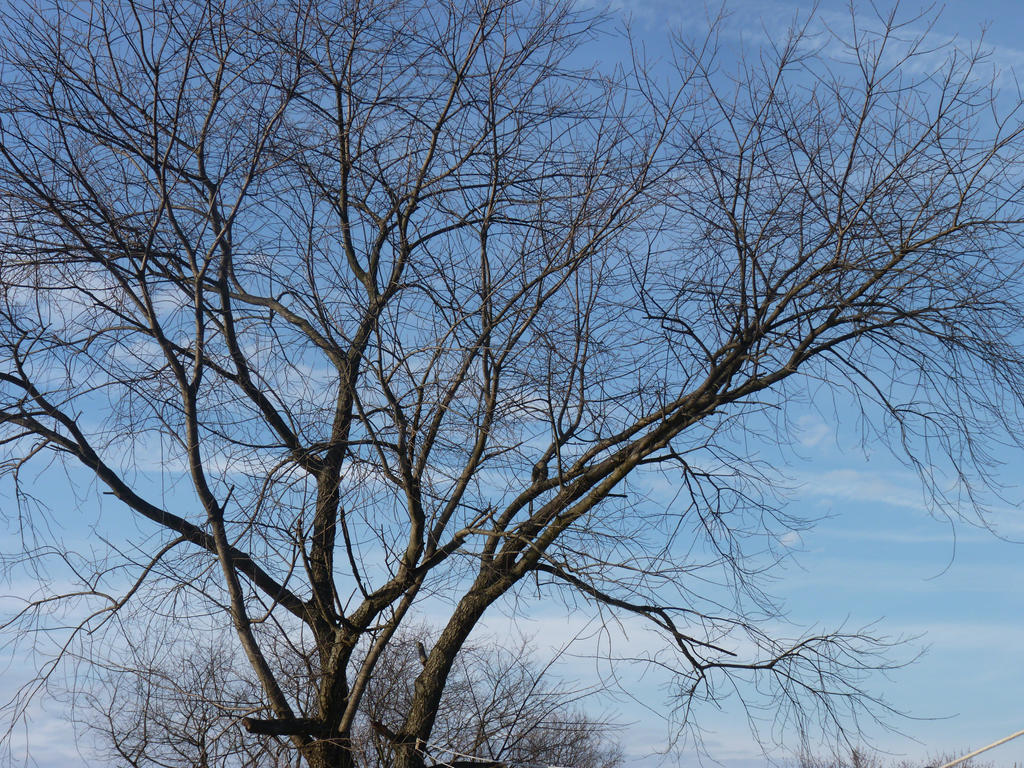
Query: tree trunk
(328, 754)
(407, 757)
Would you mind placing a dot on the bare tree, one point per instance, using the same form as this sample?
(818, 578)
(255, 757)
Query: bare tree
(171, 700)
(858, 757)
(499, 707)
(354, 305)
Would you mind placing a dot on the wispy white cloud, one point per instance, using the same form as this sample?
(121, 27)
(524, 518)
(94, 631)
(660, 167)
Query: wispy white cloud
(903, 489)
(936, 535)
(962, 635)
(811, 430)
(898, 489)
(791, 539)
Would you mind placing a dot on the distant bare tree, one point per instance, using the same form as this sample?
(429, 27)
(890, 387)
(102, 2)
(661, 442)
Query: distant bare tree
(172, 702)
(344, 306)
(499, 705)
(858, 757)
(168, 703)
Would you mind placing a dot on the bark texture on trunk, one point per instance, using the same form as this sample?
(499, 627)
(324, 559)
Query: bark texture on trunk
(329, 754)
(408, 757)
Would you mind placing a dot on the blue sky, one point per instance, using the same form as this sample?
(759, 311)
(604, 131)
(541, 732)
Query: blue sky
(880, 556)
(876, 555)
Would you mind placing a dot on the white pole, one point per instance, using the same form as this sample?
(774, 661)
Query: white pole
(983, 749)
